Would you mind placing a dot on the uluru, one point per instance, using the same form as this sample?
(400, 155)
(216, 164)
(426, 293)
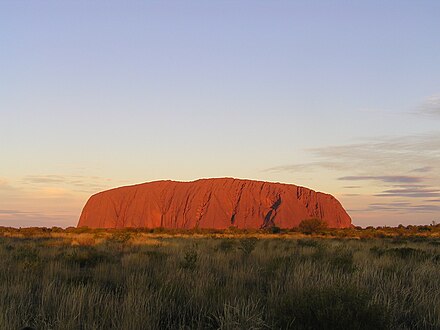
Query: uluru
(211, 203)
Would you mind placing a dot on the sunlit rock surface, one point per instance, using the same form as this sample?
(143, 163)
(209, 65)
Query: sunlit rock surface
(211, 203)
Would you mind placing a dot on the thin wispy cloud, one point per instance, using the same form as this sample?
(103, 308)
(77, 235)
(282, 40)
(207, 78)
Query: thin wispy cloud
(401, 207)
(87, 184)
(383, 178)
(44, 179)
(410, 185)
(424, 169)
(7, 212)
(5, 185)
(431, 106)
(415, 193)
(306, 167)
(10, 217)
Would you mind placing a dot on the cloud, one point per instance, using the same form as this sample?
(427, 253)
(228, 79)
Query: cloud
(399, 207)
(410, 192)
(77, 183)
(305, 167)
(18, 218)
(410, 185)
(16, 212)
(431, 106)
(392, 204)
(44, 179)
(374, 157)
(423, 169)
(383, 178)
(5, 186)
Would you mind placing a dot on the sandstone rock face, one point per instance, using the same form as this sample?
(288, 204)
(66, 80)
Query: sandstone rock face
(211, 203)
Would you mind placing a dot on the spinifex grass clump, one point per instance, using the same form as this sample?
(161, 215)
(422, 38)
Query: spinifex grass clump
(190, 258)
(247, 245)
(237, 282)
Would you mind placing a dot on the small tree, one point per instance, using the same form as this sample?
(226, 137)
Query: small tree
(310, 226)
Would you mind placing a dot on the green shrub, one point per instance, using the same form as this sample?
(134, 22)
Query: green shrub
(343, 260)
(226, 245)
(85, 257)
(190, 258)
(311, 226)
(247, 245)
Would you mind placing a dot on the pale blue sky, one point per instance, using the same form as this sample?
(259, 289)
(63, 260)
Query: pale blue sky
(99, 94)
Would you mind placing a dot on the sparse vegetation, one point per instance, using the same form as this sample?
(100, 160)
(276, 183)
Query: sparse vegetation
(247, 245)
(311, 226)
(138, 279)
(190, 258)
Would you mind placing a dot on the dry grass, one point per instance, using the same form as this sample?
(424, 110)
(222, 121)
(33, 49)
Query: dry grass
(140, 280)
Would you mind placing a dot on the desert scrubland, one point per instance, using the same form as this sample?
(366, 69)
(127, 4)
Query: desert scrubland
(81, 278)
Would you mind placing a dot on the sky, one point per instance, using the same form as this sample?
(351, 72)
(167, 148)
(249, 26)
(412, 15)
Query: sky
(342, 97)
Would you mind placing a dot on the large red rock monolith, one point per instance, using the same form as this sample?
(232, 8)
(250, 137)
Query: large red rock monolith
(211, 203)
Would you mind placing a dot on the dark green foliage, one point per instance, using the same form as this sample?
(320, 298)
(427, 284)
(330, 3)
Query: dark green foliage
(226, 245)
(190, 258)
(343, 260)
(275, 230)
(84, 257)
(404, 252)
(311, 226)
(247, 245)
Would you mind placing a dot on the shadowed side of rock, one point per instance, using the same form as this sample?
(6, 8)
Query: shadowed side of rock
(211, 203)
